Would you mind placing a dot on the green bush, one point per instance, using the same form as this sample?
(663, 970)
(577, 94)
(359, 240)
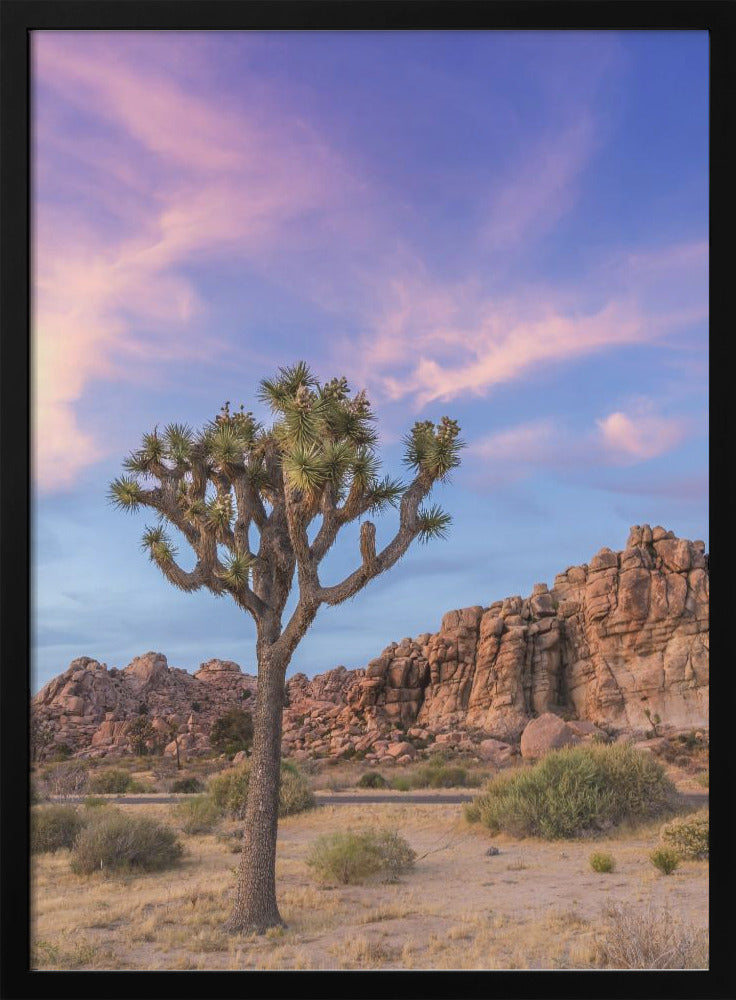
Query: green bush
(139, 787)
(94, 802)
(400, 783)
(187, 786)
(295, 793)
(372, 779)
(350, 858)
(197, 815)
(232, 732)
(665, 859)
(229, 790)
(54, 827)
(438, 775)
(113, 841)
(574, 791)
(689, 835)
(602, 862)
(110, 781)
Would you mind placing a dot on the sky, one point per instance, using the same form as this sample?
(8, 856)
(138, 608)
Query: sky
(510, 228)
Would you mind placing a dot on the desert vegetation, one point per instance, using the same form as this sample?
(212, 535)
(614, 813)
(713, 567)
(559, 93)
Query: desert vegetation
(576, 791)
(351, 857)
(229, 790)
(532, 904)
(689, 836)
(113, 841)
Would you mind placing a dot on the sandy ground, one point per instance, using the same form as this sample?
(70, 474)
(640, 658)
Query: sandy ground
(534, 905)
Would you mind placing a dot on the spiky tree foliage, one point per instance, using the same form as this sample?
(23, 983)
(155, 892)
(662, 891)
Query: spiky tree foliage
(292, 487)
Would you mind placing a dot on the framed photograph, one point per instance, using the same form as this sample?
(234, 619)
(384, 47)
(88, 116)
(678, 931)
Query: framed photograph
(356, 401)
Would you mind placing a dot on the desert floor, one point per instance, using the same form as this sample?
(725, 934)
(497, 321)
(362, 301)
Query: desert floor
(534, 905)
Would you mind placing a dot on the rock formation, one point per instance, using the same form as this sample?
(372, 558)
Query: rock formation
(618, 643)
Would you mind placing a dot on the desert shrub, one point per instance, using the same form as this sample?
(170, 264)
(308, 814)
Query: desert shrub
(113, 841)
(54, 827)
(351, 858)
(66, 778)
(197, 815)
(139, 787)
(295, 794)
(229, 790)
(665, 859)
(688, 835)
(602, 862)
(401, 783)
(372, 779)
(575, 791)
(439, 775)
(652, 939)
(94, 802)
(232, 732)
(703, 779)
(109, 781)
(187, 786)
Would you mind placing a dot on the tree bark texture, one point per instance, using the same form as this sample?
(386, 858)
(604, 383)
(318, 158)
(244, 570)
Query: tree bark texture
(255, 907)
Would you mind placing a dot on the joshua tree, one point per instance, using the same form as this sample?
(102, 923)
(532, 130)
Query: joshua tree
(235, 482)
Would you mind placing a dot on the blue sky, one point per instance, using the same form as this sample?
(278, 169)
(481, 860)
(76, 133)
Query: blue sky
(507, 227)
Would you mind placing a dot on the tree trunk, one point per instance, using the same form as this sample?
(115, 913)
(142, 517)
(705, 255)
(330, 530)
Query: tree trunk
(255, 903)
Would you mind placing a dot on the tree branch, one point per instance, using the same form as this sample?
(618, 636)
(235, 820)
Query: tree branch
(388, 556)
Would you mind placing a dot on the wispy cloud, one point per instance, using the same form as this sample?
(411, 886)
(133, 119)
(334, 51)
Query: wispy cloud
(434, 340)
(170, 176)
(542, 188)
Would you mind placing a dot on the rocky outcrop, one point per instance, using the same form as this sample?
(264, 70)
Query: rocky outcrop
(88, 709)
(616, 643)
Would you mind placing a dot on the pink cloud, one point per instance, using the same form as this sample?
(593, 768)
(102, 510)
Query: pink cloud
(172, 176)
(435, 340)
(620, 439)
(641, 435)
(527, 442)
(504, 343)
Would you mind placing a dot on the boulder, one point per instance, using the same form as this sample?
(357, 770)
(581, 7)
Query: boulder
(548, 732)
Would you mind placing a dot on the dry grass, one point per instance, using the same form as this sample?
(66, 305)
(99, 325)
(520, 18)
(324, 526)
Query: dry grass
(536, 905)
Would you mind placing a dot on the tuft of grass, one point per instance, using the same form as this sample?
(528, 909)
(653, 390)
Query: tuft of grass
(372, 779)
(400, 783)
(652, 939)
(113, 841)
(665, 859)
(200, 814)
(575, 791)
(689, 835)
(110, 781)
(602, 862)
(350, 858)
(703, 779)
(95, 802)
(54, 827)
(187, 786)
